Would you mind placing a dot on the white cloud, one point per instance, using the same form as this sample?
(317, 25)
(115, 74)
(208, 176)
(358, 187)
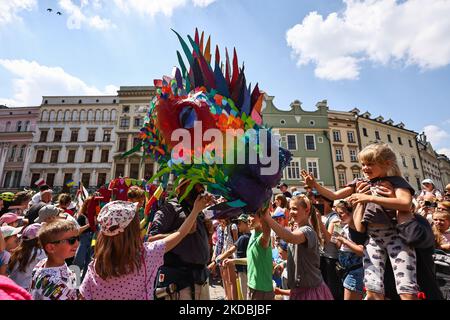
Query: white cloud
(445, 151)
(77, 18)
(202, 3)
(154, 7)
(10, 8)
(32, 81)
(412, 32)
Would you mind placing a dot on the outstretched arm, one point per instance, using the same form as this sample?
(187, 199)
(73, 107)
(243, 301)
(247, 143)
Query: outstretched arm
(173, 239)
(294, 237)
(310, 181)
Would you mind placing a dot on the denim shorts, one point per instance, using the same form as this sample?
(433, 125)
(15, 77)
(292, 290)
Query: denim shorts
(354, 280)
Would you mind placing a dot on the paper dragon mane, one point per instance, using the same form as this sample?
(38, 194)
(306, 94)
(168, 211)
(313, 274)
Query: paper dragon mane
(221, 100)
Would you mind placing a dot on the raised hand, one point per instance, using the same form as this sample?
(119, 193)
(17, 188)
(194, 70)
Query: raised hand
(308, 179)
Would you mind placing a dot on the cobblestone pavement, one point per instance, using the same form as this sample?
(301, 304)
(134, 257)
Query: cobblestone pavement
(216, 292)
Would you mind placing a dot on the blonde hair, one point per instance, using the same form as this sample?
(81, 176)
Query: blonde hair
(383, 155)
(437, 233)
(304, 202)
(64, 198)
(50, 231)
(120, 254)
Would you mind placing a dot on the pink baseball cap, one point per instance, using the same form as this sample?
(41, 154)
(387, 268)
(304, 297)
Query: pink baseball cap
(115, 216)
(9, 218)
(31, 231)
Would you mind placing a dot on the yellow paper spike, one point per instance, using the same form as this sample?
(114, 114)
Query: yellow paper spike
(158, 192)
(207, 53)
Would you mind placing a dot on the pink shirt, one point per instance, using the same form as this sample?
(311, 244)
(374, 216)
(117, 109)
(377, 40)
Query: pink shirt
(134, 286)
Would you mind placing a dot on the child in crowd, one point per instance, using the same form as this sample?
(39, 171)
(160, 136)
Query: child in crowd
(64, 202)
(26, 256)
(136, 194)
(8, 242)
(51, 278)
(379, 164)
(12, 219)
(280, 267)
(350, 253)
(441, 225)
(123, 267)
(303, 263)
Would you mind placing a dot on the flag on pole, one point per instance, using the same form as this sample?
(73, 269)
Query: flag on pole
(40, 182)
(81, 195)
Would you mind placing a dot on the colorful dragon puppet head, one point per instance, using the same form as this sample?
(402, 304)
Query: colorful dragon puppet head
(205, 125)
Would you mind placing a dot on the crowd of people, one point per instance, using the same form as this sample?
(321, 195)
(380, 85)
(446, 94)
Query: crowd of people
(377, 238)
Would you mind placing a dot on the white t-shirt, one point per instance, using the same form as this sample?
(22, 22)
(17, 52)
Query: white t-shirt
(23, 279)
(57, 283)
(36, 198)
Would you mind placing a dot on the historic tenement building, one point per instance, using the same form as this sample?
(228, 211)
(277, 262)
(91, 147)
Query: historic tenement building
(430, 162)
(344, 146)
(17, 126)
(402, 141)
(74, 140)
(306, 135)
(134, 104)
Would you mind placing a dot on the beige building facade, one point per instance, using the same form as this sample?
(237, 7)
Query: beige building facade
(344, 146)
(134, 103)
(401, 140)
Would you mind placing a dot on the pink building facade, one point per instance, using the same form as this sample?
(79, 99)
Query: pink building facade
(17, 127)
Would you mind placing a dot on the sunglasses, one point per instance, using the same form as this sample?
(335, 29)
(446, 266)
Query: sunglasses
(70, 241)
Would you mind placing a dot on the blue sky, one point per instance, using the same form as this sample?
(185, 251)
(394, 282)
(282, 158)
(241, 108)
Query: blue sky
(385, 56)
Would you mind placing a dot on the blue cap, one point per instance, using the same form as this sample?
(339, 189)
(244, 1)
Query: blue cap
(278, 214)
(283, 244)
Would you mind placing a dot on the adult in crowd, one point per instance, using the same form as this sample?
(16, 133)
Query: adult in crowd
(429, 188)
(186, 264)
(284, 190)
(33, 212)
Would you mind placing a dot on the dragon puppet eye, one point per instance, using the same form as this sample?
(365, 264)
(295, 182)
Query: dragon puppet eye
(187, 117)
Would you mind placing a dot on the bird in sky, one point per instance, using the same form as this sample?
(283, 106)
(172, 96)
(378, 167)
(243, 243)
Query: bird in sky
(49, 9)
(59, 13)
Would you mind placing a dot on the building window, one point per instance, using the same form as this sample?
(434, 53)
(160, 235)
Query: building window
(339, 156)
(120, 170)
(43, 137)
(134, 170)
(12, 153)
(21, 153)
(148, 171)
(7, 179)
(414, 163)
(54, 156)
(124, 123)
(91, 135)
(407, 178)
(293, 170)
(27, 126)
(85, 178)
(351, 136)
(336, 136)
(74, 136)
(353, 155)
(71, 156)
(126, 109)
(365, 132)
(136, 141)
(377, 135)
(419, 184)
(404, 162)
(67, 178)
(282, 121)
(313, 168)
(356, 174)
(123, 144)
(34, 177)
(101, 180)
(410, 143)
(310, 142)
(342, 179)
(400, 141)
(58, 136)
(88, 156)
(40, 156)
(19, 126)
(105, 156)
(8, 126)
(50, 179)
(312, 123)
(389, 138)
(291, 141)
(107, 136)
(138, 122)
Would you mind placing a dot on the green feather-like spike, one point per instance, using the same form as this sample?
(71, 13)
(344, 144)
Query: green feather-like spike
(185, 47)
(181, 62)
